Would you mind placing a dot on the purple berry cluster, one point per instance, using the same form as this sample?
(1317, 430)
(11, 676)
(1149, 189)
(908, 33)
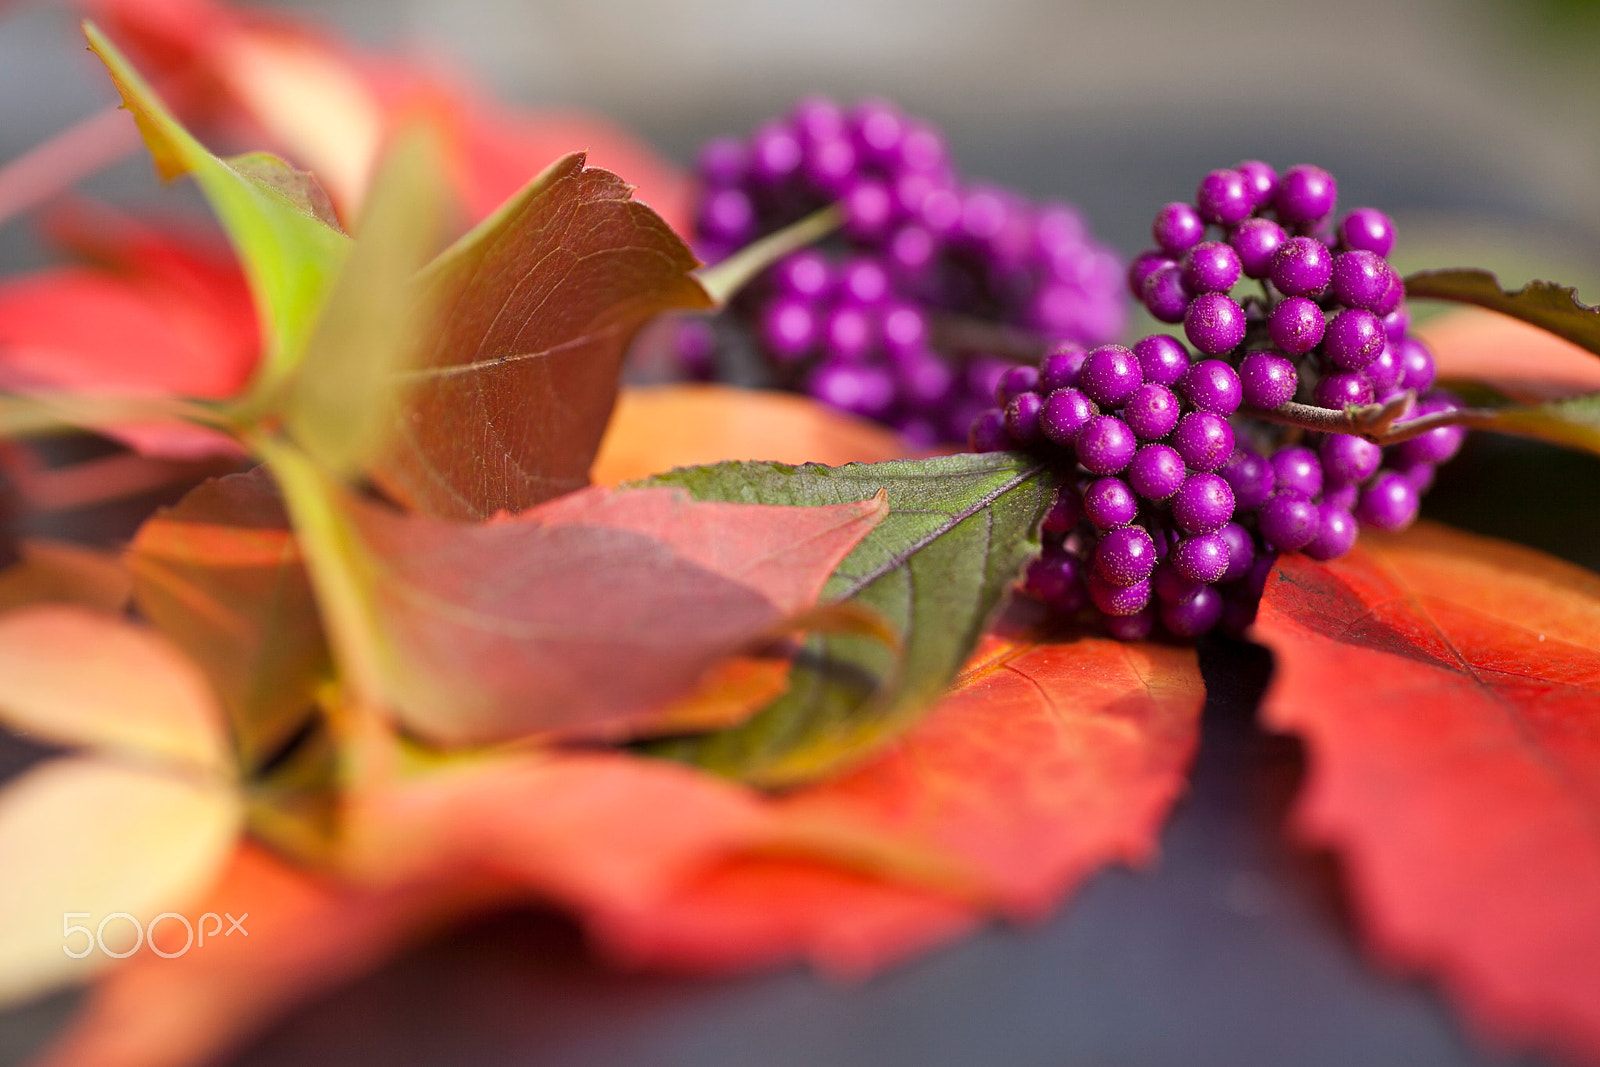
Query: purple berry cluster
(1174, 501)
(879, 321)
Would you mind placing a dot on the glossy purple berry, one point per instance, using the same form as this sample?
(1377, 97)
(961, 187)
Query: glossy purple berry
(1393, 297)
(1016, 380)
(1251, 477)
(864, 280)
(1145, 264)
(1261, 179)
(1177, 228)
(1195, 616)
(1152, 411)
(722, 161)
(1214, 323)
(1125, 556)
(1202, 558)
(1416, 365)
(1156, 472)
(1057, 579)
(1109, 503)
(1060, 366)
(988, 433)
(789, 329)
(1301, 266)
(1396, 323)
(1343, 497)
(1437, 445)
(1109, 375)
(1210, 267)
(1211, 385)
(727, 215)
(1105, 445)
(1360, 279)
(1204, 504)
(1066, 512)
(868, 210)
(849, 332)
(805, 274)
(1204, 440)
(1266, 380)
(1342, 390)
(1389, 503)
(1255, 242)
(1241, 551)
(1348, 459)
(1367, 229)
(1296, 325)
(1162, 359)
(1224, 198)
(1305, 194)
(1118, 600)
(1297, 468)
(911, 251)
(1135, 627)
(1164, 295)
(1065, 413)
(859, 390)
(1022, 417)
(1384, 371)
(1288, 521)
(829, 164)
(775, 153)
(1336, 534)
(1354, 339)
(1171, 586)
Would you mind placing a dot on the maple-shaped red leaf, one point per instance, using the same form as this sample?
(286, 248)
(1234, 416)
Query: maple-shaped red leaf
(1046, 762)
(1448, 687)
(155, 311)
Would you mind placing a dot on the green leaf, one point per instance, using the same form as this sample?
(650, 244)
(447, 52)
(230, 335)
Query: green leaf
(515, 383)
(1574, 422)
(343, 398)
(959, 530)
(1544, 304)
(274, 215)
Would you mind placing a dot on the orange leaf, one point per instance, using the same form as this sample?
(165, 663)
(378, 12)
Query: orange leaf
(58, 572)
(658, 428)
(1518, 359)
(1449, 689)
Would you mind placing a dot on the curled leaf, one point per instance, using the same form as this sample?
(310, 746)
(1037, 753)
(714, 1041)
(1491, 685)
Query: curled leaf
(1551, 307)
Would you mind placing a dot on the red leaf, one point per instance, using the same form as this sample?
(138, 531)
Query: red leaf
(1522, 361)
(1449, 689)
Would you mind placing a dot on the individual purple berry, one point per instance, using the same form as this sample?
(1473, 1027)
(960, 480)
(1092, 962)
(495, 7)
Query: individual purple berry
(1060, 366)
(879, 129)
(1022, 417)
(1164, 295)
(722, 162)
(1342, 390)
(1109, 375)
(1195, 616)
(1241, 551)
(1336, 534)
(818, 118)
(1105, 445)
(1360, 279)
(1210, 267)
(1214, 323)
(924, 378)
(1305, 194)
(789, 329)
(1152, 411)
(1156, 472)
(911, 251)
(1288, 521)
(988, 433)
(1251, 477)
(1266, 380)
(1224, 198)
(1066, 512)
(1384, 371)
(864, 280)
(1125, 556)
(1393, 296)
(1296, 325)
(1389, 503)
(1367, 229)
(1162, 359)
(905, 329)
(805, 274)
(1301, 267)
(1343, 497)
(868, 210)
(1204, 504)
(1255, 242)
(1118, 600)
(859, 390)
(829, 164)
(1416, 365)
(1211, 385)
(1354, 339)
(1065, 413)
(1145, 264)
(1109, 503)
(1202, 558)
(1396, 323)
(1261, 179)
(1437, 445)
(727, 215)
(1178, 228)
(1135, 627)
(1417, 475)
(1056, 578)
(775, 153)
(1348, 459)
(1297, 468)
(1016, 380)
(1204, 440)
(1171, 586)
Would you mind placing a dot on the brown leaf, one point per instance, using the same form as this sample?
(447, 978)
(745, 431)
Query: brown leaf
(1449, 689)
(58, 572)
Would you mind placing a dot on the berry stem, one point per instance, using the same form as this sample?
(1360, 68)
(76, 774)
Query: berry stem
(1382, 424)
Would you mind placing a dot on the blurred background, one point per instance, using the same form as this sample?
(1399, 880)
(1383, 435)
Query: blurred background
(1473, 122)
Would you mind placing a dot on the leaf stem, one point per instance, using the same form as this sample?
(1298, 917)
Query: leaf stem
(722, 280)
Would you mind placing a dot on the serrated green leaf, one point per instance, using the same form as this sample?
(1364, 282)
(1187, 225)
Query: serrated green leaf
(273, 214)
(1544, 304)
(959, 530)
